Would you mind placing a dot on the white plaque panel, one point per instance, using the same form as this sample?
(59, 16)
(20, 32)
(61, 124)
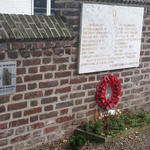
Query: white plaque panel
(110, 37)
(7, 77)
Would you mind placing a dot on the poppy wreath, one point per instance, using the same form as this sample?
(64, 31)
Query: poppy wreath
(112, 82)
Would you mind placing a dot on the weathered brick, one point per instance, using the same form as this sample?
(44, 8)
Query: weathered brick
(33, 118)
(32, 111)
(19, 122)
(20, 88)
(63, 111)
(12, 54)
(8, 148)
(48, 68)
(21, 71)
(62, 74)
(34, 94)
(17, 97)
(17, 114)
(89, 99)
(49, 100)
(91, 92)
(65, 81)
(2, 56)
(127, 73)
(17, 106)
(90, 112)
(79, 108)
(48, 76)
(48, 53)
(48, 107)
(77, 95)
(3, 126)
(50, 129)
(62, 67)
(32, 86)
(4, 99)
(48, 115)
(36, 53)
(31, 62)
(48, 84)
(64, 119)
(37, 125)
(78, 80)
(61, 60)
(19, 80)
(78, 101)
(6, 133)
(3, 142)
(4, 117)
(33, 70)
(46, 60)
(89, 86)
(48, 92)
(34, 103)
(64, 104)
(63, 90)
(20, 138)
(35, 77)
(2, 109)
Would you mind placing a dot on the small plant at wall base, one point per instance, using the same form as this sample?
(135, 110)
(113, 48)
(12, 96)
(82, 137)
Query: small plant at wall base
(113, 124)
(77, 142)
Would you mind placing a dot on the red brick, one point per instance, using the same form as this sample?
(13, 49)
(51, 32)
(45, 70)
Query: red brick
(4, 99)
(48, 68)
(32, 86)
(48, 115)
(32, 77)
(92, 78)
(17, 114)
(63, 90)
(21, 71)
(61, 60)
(91, 112)
(78, 101)
(20, 138)
(48, 108)
(6, 134)
(62, 67)
(32, 111)
(64, 119)
(18, 79)
(17, 106)
(145, 59)
(3, 142)
(4, 117)
(17, 97)
(93, 105)
(79, 108)
(63, 97)
(20, 88)
(63, 111)
(64, 104)
(89, 86)
(35, 94)
(65, 81)
(3, 126)
(19, 122)
(73, 66)
(48, 76)
(91, 93)
(37, 125)
(127, 73)
(8, 148)
(48, 92)
(36, 53)
(62, 74)
(48, 84)
(33, 70)
(77, 95)
(46, 60)
(2, 56)
(2, 109)
(50, 129)
(31, 62)
(47, 53)
(33, 118)
(34, 103)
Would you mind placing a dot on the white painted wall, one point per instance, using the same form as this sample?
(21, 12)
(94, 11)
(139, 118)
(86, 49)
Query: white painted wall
(16, 7)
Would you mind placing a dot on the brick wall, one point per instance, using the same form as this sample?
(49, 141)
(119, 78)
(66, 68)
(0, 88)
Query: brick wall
(51, 98)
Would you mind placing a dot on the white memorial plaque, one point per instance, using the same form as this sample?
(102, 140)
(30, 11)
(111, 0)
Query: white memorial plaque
(110, 37)
(7, 77)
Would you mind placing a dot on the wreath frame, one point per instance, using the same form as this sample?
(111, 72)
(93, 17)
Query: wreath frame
(112, 101)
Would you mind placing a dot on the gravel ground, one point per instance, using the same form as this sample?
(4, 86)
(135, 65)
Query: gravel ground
(130, 142)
